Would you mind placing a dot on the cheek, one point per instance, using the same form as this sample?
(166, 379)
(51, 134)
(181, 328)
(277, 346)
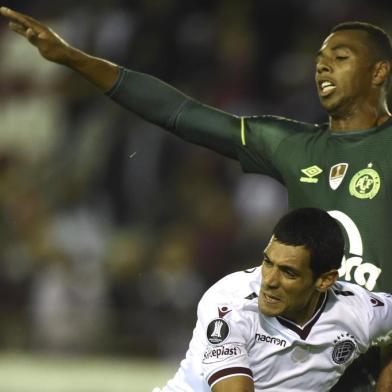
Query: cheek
(296, 293)
(356, 78)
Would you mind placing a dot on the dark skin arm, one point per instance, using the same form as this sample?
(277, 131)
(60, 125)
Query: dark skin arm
(144, 95)
(234, 384)
(99, 72)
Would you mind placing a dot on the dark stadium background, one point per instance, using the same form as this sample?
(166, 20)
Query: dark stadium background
(111, 228)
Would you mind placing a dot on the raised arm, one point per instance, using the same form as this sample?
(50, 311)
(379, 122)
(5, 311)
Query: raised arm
(52, 47)
(149, 97)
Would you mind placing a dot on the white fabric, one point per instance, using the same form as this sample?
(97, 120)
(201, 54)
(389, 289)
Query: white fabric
(350, 319)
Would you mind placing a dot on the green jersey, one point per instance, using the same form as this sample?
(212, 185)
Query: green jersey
(348, 174)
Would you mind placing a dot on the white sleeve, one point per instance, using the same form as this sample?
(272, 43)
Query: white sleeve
(380, 317)
(225, 342)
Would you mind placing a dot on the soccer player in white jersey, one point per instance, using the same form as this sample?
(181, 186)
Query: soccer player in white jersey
(288, 325)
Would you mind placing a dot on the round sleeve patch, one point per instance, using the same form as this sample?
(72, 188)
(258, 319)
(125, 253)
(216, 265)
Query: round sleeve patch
(217, 331)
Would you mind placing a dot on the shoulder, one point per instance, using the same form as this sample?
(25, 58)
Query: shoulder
(282, 123)
(233, 288)
(228, 309)
(354, 303)
(268, 132)
(353, 294)
(346, 291)
(371, 311)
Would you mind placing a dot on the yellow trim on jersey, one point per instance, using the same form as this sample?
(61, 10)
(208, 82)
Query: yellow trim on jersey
(243, 131)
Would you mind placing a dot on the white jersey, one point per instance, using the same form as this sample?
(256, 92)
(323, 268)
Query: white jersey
(232, 338)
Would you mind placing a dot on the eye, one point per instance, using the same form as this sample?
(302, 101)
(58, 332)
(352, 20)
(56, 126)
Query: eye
(341, 58)
(267, 262)
(290, 274)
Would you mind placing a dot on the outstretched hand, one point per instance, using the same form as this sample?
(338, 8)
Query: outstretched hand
(50, 45)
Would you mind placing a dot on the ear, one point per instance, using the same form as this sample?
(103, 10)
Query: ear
(381, 72)
(326, 280)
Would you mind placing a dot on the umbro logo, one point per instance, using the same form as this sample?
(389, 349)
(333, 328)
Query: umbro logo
(311, 173)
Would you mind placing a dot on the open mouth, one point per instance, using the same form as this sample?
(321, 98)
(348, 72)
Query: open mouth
(326, 87)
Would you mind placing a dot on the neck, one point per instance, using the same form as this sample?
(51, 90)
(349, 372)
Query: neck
(359, 118)
(312, 306)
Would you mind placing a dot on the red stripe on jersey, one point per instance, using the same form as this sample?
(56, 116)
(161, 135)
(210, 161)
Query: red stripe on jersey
(234, 371)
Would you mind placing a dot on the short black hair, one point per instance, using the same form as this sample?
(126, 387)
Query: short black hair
(380, 39)
(318, 232)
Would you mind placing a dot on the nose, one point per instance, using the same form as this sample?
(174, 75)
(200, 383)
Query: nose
(323, 66)
(271, 278)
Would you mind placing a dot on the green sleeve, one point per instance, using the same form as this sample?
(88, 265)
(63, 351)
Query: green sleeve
(265, 141)
(163, 105)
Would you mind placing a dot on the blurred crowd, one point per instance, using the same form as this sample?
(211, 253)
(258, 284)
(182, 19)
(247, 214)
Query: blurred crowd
(111, 228)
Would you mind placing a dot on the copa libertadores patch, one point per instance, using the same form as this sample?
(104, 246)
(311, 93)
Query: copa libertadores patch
(217, 331)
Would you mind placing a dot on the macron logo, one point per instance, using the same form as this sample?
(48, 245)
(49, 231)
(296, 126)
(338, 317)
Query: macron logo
(270, 339)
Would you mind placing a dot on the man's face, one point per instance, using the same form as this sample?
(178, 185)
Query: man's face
(344, 71)
(288, 288)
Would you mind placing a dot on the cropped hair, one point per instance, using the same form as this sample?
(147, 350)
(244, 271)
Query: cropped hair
(318, 232)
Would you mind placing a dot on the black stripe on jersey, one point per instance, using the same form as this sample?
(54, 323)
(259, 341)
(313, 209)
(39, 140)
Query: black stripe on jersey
(233, 371)
(305, 331)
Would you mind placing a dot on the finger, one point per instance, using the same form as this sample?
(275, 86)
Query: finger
(14, 16)
(17, 28)
(19, 18)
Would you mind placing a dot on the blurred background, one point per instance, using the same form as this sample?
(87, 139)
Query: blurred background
(112, 228)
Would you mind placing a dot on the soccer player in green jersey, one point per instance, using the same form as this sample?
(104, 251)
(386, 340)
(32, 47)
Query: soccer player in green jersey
(344, 166)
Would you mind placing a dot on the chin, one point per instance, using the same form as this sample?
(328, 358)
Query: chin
(333, 106)
(269, 311)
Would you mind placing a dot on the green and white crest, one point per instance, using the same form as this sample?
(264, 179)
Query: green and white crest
(365, 184)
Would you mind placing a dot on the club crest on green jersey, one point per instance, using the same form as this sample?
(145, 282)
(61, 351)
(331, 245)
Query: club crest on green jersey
(365, 184)
(311, 173)
(336, 175)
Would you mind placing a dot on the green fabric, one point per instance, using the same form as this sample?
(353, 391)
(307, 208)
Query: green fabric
(163, 105)
(282, 148)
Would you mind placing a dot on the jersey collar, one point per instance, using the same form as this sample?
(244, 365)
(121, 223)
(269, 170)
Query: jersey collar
(304, 331)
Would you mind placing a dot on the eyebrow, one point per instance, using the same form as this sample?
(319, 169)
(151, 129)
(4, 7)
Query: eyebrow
(334, 49)
(282, 267)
